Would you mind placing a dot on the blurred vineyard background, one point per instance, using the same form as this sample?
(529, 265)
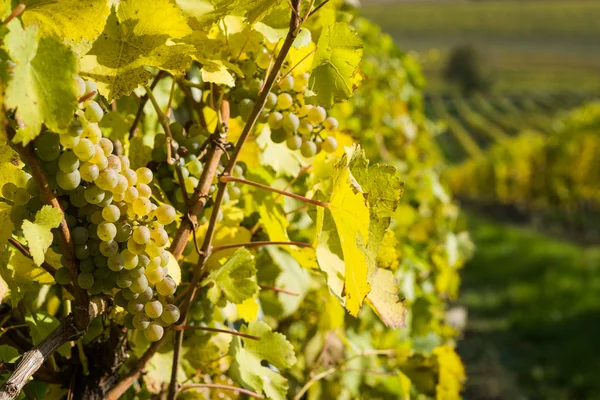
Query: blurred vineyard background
(514, 90)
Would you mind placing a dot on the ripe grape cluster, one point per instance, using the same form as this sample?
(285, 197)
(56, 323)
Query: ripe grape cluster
(188, 144)
(300, 125)
(117, 231)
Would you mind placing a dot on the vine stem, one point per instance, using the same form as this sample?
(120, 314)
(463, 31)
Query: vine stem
(206, 245)
(25, 251)
(278, 290)
(222, 387)
(16, 12)
(143, 100)
(226, 179)
(217, 330)
(258, 244)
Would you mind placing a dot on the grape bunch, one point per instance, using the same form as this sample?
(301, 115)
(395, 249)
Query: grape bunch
(188, 144)
(301, 126)
(118, 232)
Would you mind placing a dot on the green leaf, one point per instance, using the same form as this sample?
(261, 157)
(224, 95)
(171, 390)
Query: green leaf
(21, 274)
(335, 70)
(137, 36)
(207, 52)
(8, 354)
(209, 12)
(235, 279)
(38, 234)
(41, 88)
(40, 326)
(272, 347)
(67, 19)
(5, 223)
(383, 188)
(10, 165)
(384, 300)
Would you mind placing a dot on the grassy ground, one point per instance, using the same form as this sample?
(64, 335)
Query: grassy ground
(534, 316)
(527, 45)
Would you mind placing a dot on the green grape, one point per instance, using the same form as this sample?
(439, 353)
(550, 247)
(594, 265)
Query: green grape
(90, 87)
(96, 217)
(290, 122)
(84, 150)
(80, 235)
(89, 172)
(130, 175)
(287, 84)
(153, 309)
(85, 280)
(82, 252)
(190, 184)
(329, 144)
(68, 162)
(284, 101)
(195, 167)
(177, 131)
(308, 148)
(196, 130)
(139, 285)
(32, 187)
(107, 179)
(142, 206)
(114, 162)
(130, 194)
(79, 86)
(123, 232)
(93, 111)
(18, 214)
(68, 181)
(154, 332)
(87, 266)
(129, 295)
(141, 321)
(271, 101)
(144, 175)
(300, 82)
(75, 129)
(94, 247)
(106, 231)
(63, 276)
(111, 213)
(131, 260)
(116, 262)
(144, 190)
(98, 287)
(234, 192)
(275, 120)
(166, 287)
(8, 190)
(146, 295)
(92, 131)
(135, 247)
(128, 319)
(263, 60)
(68, 141)
(293, 142)
(124, 281)
(170, 314)
(155, 275)
(248, 68)
(303, 111)
(330, 124)
(136, 272)
(316, 115)
(305, 128)
(120, 300)
(135, 306)
(254, 87)
(47, 146)
(245, 108)
(160, 237)
(143, 260)
(21, 197)
(94, 195)
(141, 234)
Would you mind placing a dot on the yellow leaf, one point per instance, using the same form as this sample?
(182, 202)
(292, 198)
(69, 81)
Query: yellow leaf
(248, 310)
(384, 300)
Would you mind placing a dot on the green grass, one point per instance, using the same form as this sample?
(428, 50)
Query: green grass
(534, 316)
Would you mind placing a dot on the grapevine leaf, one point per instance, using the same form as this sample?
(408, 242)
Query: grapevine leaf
(335, 70)
(247, 366)
(383, 188)
(5, 223)
(206, 50)
(40, 326)
(68, 19)
(208, 12)
(10, 165)
(20, 273)
(351, 217)
(8, 354)
(137, 35)
(38, 234)
(383, 298)
(41, 88)
(235, 277)
(174, 269)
